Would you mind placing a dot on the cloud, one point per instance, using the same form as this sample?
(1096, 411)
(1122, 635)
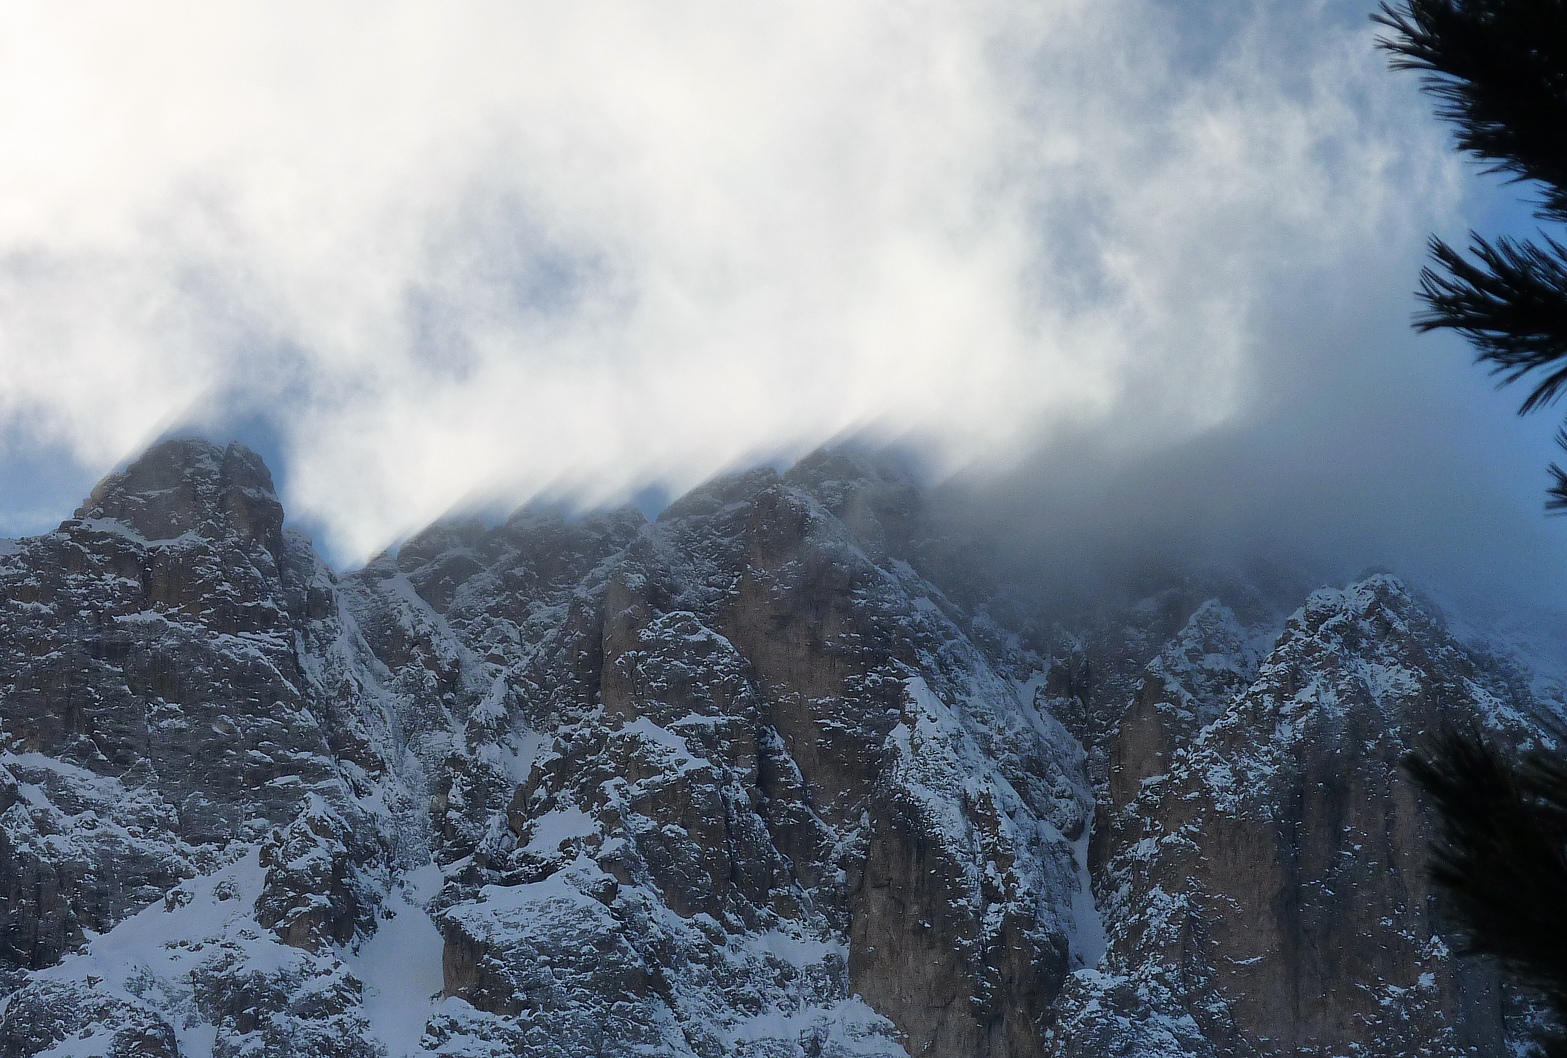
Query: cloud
(493, 249)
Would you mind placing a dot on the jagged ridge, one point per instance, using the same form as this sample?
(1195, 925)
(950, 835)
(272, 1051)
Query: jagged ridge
(744, 780)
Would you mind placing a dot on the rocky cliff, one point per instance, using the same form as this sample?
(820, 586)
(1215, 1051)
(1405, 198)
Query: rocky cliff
(756, 778)
(1264, 882)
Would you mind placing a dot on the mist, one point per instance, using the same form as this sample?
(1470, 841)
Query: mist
(1367, 448)
(1133, 281)
(426, 261)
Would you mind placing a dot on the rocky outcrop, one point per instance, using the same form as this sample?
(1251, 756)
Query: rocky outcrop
(1266, 887)
(177, 688)
(49, 1015)
(713, 758)
(1186, 687)
(773, 775)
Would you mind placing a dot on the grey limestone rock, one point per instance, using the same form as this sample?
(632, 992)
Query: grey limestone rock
(1265, 888)
(776, 774)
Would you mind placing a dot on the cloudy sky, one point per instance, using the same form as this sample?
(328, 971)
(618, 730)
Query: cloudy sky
(431, 255)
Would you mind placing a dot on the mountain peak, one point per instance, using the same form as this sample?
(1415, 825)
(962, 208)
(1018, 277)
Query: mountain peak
(189, 484)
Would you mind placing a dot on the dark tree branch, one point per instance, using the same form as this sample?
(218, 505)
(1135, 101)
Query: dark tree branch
(1503, 860)
(1510, 301)
(1498, 69)
(1556, 495)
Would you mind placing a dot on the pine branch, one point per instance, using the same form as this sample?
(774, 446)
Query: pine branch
(1503, 860)
(1556, 495)
(1498, 69)
(1510, 301)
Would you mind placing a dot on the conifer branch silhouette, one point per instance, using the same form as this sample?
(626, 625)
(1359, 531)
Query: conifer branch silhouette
(1498, 70)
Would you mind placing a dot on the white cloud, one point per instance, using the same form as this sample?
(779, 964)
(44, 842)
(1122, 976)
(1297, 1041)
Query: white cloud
(488, 249)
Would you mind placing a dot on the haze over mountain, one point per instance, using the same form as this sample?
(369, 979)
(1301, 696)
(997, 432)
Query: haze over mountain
(453, 259)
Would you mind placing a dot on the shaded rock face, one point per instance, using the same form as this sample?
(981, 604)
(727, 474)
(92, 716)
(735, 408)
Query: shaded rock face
(770, 776)
(1185, 688)
(710, 752)
(173, 690)
(45, 1016)
(1265, 886)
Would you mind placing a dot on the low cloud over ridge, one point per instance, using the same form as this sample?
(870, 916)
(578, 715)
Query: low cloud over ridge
(510, 248)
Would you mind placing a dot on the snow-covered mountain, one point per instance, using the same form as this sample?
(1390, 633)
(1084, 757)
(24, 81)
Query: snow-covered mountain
(764, 777)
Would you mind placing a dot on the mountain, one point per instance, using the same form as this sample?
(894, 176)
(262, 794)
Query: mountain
(782, 772)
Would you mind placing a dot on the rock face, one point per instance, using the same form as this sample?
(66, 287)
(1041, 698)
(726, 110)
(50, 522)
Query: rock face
(175, 687)
(703, 782)
(745, 780)
(1265, 886)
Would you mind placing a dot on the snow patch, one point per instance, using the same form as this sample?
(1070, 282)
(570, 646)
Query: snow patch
(400, 965)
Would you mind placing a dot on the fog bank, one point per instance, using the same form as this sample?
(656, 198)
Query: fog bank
(440, 257)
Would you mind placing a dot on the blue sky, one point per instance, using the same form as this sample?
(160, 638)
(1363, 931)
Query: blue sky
(607, 252)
